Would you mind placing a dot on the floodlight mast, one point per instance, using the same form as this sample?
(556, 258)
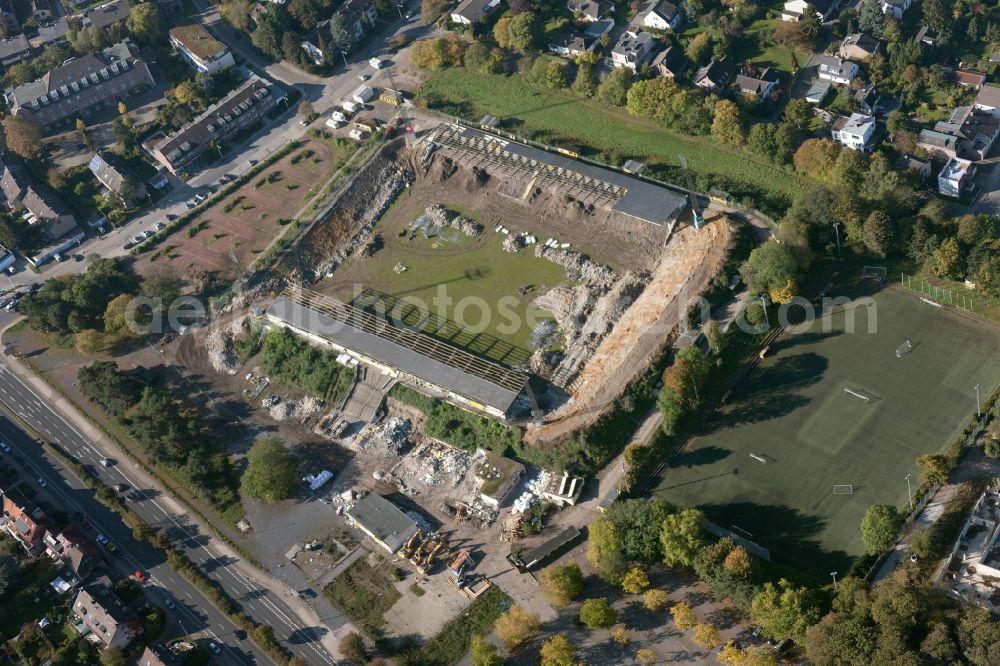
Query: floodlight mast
(695, 212)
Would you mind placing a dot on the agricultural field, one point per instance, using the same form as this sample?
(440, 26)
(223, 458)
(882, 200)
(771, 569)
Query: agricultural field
(596, 131)
(228, 237)
(795, 412)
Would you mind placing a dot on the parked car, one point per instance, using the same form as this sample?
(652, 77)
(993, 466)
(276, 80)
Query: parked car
(42, 483)
(101, 539)
(5, 446)
(138, 239)
(171, 218)
(107, 462)
(159, 225)
(363, 77)
(139, 576)
(169, 603)
(240, 635)
(214, 648)
(121, 487)
(114, 549)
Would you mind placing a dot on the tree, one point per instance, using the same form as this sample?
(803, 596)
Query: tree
(585, 84)
(739, 563)
(655, 600)
(651, 98)
(162, 284)
(879, 233)
(727, 123)
(769, 269)
(646, 657)
(557, 651)
(113, 656)
(23, 136)
(714, 337)
(879, 528)
(555, 74)
(811, 26)
(604, 550)
(621, 635)
(517, 32)
(706, 635)
(761, 655)
(681, 536)
(126, 141)
(8, 571)
(992, 449)
(352, 646)
(483, 653)
(272, 473)
(761, 138)
(922, 542)
(561, 583)
(598, 614)
(816, 157)
(638, 523)
(699, 48)
(614, 89)
(784, 611)
(635, 581)
(145, 24)
(516, 627)
(935, 468)
(870, 17)
(683, 614)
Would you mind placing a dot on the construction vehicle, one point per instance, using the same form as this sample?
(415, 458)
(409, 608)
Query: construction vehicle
(458, 564)
(410, 543)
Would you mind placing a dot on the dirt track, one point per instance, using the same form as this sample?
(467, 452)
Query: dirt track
(690, 260)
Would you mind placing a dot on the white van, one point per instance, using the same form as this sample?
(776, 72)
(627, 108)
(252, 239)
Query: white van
(350, 107)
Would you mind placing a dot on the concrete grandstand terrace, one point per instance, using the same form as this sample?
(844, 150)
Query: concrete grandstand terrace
(469, 381)
(215, 238)
(793, 411)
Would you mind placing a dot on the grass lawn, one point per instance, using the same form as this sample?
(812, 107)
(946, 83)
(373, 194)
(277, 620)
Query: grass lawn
(608, 134)
(478, 276)
(451, 644)
(794, 411)
(364, 594)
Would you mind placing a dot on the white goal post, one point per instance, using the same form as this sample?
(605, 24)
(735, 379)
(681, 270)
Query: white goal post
(761, 459)
(856, 394)
(904, 348)
(877, 272)
(843, 489)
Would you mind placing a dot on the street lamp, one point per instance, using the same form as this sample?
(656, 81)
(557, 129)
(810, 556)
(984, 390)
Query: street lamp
(834, 574)
(763, 302)
(978, 411)
(836, 230)
(344, 53)
(909, 492)
(399, 8)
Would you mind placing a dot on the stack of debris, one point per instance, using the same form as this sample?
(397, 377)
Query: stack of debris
(296, 409)
(578, 266)
(221, 355)
(395, 432)
(439, 216)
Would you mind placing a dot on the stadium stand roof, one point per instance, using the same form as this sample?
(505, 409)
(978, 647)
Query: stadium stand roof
(471, 379)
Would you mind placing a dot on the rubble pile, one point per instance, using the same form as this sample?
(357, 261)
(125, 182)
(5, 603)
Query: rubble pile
(221, 355)
(439, 216)
(578, 266)
(395, 432)
(299, 409)
(513, 243)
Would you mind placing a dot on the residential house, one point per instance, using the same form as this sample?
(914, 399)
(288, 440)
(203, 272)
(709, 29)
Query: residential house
(25, 524)
(72, 549)
(854, 131)
(37, 204)
(867, 99)
(836, 70)
(977, 131)
(969, 78)
(116, 179)
(51, 34)
(634, 48)
(896, 8)
(597, 29)
(14, 49)
(313, 44)
(922, 168)
(817, 92)
(159, 655)
(759, 84)
(794, 9)
(470, 11)
(858, 46)
(938, 145)
(106, 616)
(589, 10)
(81, 86)
(714, 76)
(107, 14)
(199, 48)
(671, 62)
(570, 45)
(955, 178)
(240, 109)
(664, 15)
(359, 14)
(925, 37)
(988, 100)
(41, 10)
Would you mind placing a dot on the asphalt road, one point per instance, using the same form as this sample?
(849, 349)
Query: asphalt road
(256, 600)
(193, 613)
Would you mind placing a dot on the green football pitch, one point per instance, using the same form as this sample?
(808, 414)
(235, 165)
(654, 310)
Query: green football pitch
(793, 411)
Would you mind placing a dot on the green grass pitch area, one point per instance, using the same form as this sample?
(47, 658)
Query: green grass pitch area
(793, 411)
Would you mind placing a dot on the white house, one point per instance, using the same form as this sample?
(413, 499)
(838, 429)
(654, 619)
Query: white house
(854, 132)
(203, 51)
(632, 50)
(837, 70)
(896, 8)
(794, 9)
(470, 11)
(988, 100)
(956, 177)
(664, 15)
